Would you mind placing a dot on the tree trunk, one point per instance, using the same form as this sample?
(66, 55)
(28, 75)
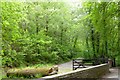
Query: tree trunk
(97, 43)
(75, 41)
(119, 28)
(46, 28)
(87, 44)
(61, 34)
(104, 33)
(93, 39)
(37, 30)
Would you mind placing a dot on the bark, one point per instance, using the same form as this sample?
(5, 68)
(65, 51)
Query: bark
(93, 39)
(61, 34)
(92, 33)
(46, 28)
(104, 26)
(37, 30)
(119, 28)
(97, 43)
(87, 44)
(75, 41)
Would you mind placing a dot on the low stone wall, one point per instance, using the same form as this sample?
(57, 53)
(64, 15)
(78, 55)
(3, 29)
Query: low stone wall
(90, 72)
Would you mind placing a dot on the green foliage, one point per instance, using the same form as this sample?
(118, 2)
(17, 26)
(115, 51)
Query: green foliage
(35, 33)
(118, 60)
(53, 32)
(102, 21)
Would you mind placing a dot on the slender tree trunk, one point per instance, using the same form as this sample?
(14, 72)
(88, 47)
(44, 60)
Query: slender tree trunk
(46, 27)
(75, 41)
(97, 36)
(97, 43)
(119, 28)
(61, 38)
(93, 39)
(91, 33)
(61, 34)
(37, 30)
(105, 34)
(87, 44)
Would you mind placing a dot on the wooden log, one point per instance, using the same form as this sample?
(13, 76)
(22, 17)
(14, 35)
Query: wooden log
(32, 71)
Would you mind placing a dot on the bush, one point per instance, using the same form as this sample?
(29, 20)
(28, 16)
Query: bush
(13, 59)
(118, 60)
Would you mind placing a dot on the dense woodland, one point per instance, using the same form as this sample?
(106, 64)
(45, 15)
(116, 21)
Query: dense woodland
(55, 32)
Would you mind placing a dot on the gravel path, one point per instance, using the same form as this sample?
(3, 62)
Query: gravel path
(65, 67)
(114, 74)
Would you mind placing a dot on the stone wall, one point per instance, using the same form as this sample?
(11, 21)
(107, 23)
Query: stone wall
(90, 72)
